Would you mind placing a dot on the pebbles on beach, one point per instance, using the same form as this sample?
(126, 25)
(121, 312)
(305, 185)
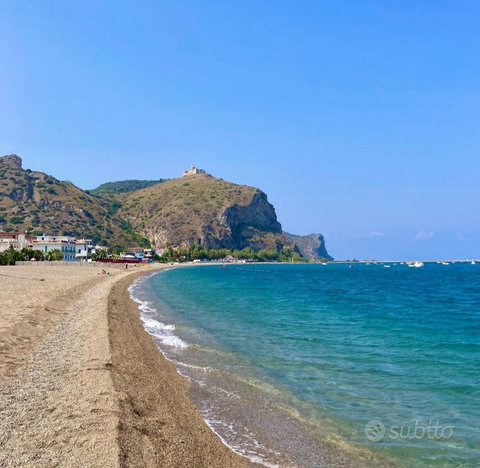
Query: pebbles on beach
(83, 385)
(59, 408)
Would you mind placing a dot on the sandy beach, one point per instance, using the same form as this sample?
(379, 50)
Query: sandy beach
(83, 385)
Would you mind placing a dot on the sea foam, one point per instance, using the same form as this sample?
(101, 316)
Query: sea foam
(159, 330)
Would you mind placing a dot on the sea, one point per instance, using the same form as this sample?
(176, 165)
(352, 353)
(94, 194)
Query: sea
(311, 365)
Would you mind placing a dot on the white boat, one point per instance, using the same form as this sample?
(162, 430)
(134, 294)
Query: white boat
(387, 266)
(473, 262)
(445, 263)
(418, 264)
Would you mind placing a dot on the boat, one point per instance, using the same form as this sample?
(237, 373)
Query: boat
(445, 263)
(473, 262)
(418, 264)
(387, 266)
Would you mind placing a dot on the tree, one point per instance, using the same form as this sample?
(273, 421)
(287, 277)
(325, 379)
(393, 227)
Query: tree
(101, 254)
(55, 255)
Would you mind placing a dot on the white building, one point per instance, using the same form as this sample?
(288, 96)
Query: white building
(12, 238)
(83, 249)
(193, 170)
(65, 244)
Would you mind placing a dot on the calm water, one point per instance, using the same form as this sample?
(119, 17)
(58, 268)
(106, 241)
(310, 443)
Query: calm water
(289, 363)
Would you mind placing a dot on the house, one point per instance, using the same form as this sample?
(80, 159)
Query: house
(83, 249)
(149, 253)
(65, 244)
(19, 241)
(127, 256)
(138, 252)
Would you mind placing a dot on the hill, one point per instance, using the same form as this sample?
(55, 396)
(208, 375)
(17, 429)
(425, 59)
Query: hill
(39, 203)
(123, 186)
(204, 210)
(194, 210)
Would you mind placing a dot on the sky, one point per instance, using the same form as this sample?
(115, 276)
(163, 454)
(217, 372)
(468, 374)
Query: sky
(359, 119)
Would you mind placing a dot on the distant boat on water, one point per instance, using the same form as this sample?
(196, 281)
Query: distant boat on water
(473, 262)
(445, 263)
(418, 264)
(387, 266)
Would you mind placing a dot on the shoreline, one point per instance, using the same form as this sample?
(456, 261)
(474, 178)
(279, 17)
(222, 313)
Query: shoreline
(83, 384)
(159, 423)
(280, 436)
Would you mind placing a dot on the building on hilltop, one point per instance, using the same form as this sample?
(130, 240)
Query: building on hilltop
(193, 170)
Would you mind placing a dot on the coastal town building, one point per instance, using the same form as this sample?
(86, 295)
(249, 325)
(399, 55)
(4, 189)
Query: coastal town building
(83, 249)
(65, 244)
(193, 170)
(17, 240)
(138, 252)
(149, 253)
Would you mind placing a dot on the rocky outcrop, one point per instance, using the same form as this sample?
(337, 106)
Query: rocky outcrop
(311, 246)
(195, 210)
(12, 160)
(203, 210)
(244, 222)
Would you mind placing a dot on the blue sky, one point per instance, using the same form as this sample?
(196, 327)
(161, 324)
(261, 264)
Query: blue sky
(359, 119)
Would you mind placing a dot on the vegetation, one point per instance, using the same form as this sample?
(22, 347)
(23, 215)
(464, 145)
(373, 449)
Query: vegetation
(124, 186)
(54, 255)
(225, 218)
(10, 256)
(216, 213)
(36, 202)
(100, 255)
(199, 253)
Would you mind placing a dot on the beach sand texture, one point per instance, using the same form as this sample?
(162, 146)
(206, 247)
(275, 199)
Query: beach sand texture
(83, 385)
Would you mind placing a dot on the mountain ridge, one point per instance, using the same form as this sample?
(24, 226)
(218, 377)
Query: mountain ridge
(194, 210)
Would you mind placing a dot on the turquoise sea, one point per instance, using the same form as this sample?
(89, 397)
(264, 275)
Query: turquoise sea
(290, 363)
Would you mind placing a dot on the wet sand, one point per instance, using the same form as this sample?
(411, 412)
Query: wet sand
(83, 385)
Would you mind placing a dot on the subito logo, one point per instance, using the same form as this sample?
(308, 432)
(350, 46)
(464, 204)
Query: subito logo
(374, 431)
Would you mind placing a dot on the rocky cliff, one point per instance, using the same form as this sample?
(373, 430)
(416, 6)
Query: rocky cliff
(204, 210)
(311, 246)
(195, 210)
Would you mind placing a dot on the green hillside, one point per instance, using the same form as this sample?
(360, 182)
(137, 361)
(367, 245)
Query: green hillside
(123, 186)
(204, 210)
(198, 210)
(37, 203)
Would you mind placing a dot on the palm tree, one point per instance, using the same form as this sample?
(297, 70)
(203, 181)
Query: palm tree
(54, 255)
